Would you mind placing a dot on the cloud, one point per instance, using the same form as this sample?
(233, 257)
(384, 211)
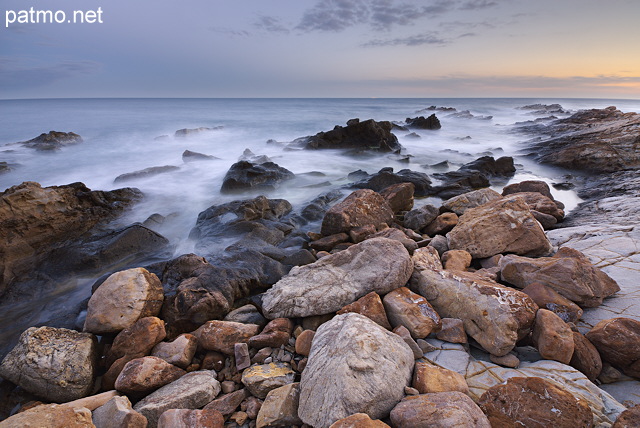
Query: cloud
(477, 4)
(334, 15)
(16, 73)
(430, 38)
(230, 32)
(270, 24)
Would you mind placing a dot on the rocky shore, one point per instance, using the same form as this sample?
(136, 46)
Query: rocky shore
(492, 309)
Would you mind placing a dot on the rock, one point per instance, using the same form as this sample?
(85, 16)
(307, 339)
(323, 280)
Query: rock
(247, 314)
(193, 132)
(348, 373)
(327, 243)
(184, 418)
(438, 410)
(228, 403)
(501, 226)
(242, 357)
(118, 413)
(552, 336)
(145, 173)
(53, 140)
(509, 360)
(359, 234)
(442, 224)
(629, 418)
(280, 407)
(191, 391)
(495, 316)
(404, 333)
(189, 156)
(542, 204)
(399, 196)
(456, 260)
(179, 352)
(473, 175)
(440, 244)
(397, 235)
(585, 357)
(618, 342)
(274, 335)
(533, 401)
(245, 175)
(334, 281)
(452, 331)
(420, 218)
(421, 122)
(263, 378)
(223, 335)
(141, 376)
(358, 420)
(528, 186)
(50, 416)
(315, 321)
(94, 401)
(546, 221)
(404, 307)
(251, 406)
(360, 208)
(568, 272)
(386, 177)
(368, 135)
(371, 306)
(123, 299)
(429, 378)
(303, 342)
(54, 363)
(548, 298)
(501, 167)
(459, 204)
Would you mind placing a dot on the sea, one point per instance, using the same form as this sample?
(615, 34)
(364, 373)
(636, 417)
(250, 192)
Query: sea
(126, 135)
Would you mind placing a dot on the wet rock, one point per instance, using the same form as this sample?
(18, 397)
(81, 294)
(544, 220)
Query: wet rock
(141, 376)
(568, 272)
(348, 373)
(553, 337)
(495, 316)
(249, 156)
(442, 224)
(360, 208)
(303, 342)
(178, 352)
(189, 156)
(247, 314)
(428, 378)
(379, 265)
(221, 336)
(245, 175)
(501, 226)
(274, 335)
(367, 135)
(422, 122)
(456, 260)
(228, 403)
(145, 173)
(548, 298)
(459, 204)
(528, 186)
(399, 196)
(438, 410)
(452, 331)
(263, 378)
(51, 416)
(123, 299)
(404, 307)
(359, 420)
(420, 218)
(53, 140)
(586, 357)
(501, 167)
(56, 364)
(371, 306)
(533, 401)
(184, 418)
(386, 177)
(118, 413)
(280, 407)
(191, 391)
(194, 132)
(618, 342)
(473, 175)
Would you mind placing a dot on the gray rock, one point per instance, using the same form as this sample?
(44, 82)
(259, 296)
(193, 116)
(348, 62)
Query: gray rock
(420, 217)
(354, 366)
(379, 265)
(247, 314)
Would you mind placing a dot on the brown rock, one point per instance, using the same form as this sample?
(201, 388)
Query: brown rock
(251, 406)
(303, 342)
(568, 272)
(261, 355)
(213, 361)
(223, 335)
(359, 234)
(315, 321)
(261, 379)
(428, 378)
(452, 331)
(586, 357)
(178, 352)
(442, 224)
(328, 242)
(144, 375)
(50, 416)
(456, 260)
(274, 335)
(404, 307)
(630, 418)
(187, 418)
(438, 410)
(528, 186)
(552, 336)
(618, 342)
(360, 208)
(534, 402)
(117, 413)
(228, 403)
(280, 407)
(509, 360)
(546, 220)
(459, 204)
(359, 420)
(542, 204)
(406, 336)
(501, 226)
(371, 307)
(399, 196)
(547, 298)
(396, 235)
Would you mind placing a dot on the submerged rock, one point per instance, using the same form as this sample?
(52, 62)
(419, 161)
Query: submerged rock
(144, 173)
(386, 177)
(189, 156)
(193, 132)
(422, 122)
(244, 175)
(367, 135)
(53, 140)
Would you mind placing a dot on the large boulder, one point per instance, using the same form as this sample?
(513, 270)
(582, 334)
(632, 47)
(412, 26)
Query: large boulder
(421, 122)
(56, 364)
(501, 226)
(618, 342)
(355, 366)
(378, 264)
(367, 135)
(438, 410)
(494, 315)
(145, 173)
(568, 272)
(53, 140)
(244, 175)
(459, 204)
(360, 208)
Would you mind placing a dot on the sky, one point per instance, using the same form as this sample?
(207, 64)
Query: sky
(324, 48)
